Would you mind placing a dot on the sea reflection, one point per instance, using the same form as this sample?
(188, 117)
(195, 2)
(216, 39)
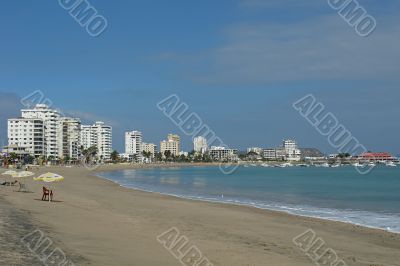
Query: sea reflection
(199, 182)
(170, 180)
(133, 174)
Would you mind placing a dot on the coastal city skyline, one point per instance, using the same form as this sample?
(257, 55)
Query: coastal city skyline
(45, 133)
(186, 142)
(42, 131)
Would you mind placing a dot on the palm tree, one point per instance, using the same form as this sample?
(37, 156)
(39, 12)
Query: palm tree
(114, 156)
(146, 154)
(158, 156)
(167, 154)
(182, 158)
(89, 154)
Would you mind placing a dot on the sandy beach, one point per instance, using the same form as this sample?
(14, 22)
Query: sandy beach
(96, 222)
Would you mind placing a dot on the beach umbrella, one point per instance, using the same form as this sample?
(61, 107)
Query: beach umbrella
(49, 178)
(9, 172)
(23, 175)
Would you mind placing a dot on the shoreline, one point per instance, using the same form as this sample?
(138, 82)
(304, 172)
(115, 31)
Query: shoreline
(106, 224)
(232, 203)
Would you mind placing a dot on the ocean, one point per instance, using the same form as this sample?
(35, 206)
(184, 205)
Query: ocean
(339, 194)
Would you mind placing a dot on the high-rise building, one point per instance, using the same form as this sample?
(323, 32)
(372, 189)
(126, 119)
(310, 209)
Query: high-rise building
(86, 137)
(174, 137)
(200, 144)
(293, 153)
(133, 143)
(69, 138)
(27, 134)
(172, 145)
(100, 136)
(50, 119)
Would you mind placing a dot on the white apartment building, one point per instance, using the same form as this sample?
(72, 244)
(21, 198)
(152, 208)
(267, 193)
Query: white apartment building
(293, 153)
(69, 138)
(200, 144)
(27, 134)
(100, 136)
(50, 119)
(281, 154)
(275, 154)
(223, 154)
(172, 144)
(133, 143)
(150, 147)
(269, 153)
(86, 136)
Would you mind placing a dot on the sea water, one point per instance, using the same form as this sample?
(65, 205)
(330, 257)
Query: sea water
(340, 194)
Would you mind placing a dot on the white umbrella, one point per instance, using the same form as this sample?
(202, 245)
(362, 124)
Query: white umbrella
(9, 172)
(23, 175)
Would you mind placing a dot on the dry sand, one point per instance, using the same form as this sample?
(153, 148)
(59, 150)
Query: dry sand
(96, 222)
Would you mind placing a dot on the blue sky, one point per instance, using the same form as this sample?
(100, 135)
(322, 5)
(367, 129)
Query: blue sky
(238, 64)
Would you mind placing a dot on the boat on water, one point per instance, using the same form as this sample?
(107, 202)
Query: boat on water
(265, 165)
(284, 165)
(336, 165)
(323, 165)
(357, 165)
(304, 165)
(391, 164)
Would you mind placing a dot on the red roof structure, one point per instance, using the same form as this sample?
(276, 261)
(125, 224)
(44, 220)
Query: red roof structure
(376, 156)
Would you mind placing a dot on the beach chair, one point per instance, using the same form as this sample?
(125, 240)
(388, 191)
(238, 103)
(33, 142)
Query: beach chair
(47, 194)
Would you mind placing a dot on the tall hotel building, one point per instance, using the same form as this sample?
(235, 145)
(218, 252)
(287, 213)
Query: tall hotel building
(293, 153)
(133, 143)
(172, 144)
(100, 136)
(50, 118)
(200, 144)
(69, 138)
(27, 133)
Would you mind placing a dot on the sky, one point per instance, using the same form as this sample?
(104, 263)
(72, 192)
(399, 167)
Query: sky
(238, 64)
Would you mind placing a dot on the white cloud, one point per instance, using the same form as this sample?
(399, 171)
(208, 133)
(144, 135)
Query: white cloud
(323, 48)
